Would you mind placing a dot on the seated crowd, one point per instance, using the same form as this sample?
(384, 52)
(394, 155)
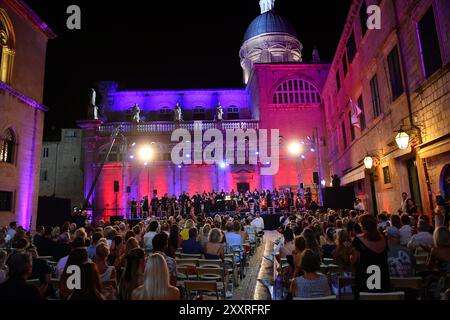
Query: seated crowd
(119, 261)
(316, 250)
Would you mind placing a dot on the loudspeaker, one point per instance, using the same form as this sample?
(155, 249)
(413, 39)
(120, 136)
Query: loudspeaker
(116, 186)
(302, 186)
(316, 178)
(128, 189)
(338, 198)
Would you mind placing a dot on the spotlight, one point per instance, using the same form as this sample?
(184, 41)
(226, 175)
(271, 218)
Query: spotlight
(313, 150)
(323, 182)
(146, 153)
(145, 164)
(131, 157)
(133, 144)
(179, 166)
(223, 165)
(295, 148)
(303, 157)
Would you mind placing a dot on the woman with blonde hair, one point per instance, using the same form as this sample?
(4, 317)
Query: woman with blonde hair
(204, 237)
(156, 281)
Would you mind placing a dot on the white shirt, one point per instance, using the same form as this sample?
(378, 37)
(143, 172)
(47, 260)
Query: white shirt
(405, 235)
(258, 223)
(421, 239)
(11, 233)
(148, 238)
(62, 264)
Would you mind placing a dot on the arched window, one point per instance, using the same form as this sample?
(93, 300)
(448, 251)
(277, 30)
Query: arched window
(165, 114)
(7, 43)
(296, 93)
(7, 143)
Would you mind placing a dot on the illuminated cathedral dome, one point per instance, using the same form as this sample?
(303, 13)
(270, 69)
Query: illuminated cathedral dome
(269, 22)
(270, 38)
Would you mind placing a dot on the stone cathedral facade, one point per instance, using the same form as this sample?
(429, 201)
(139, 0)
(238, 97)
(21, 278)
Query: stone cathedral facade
(279, 92)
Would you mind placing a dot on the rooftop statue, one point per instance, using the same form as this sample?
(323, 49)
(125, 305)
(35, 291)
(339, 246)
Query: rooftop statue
(219, 112)
(136, 114)
(178, 115)
(92, 105)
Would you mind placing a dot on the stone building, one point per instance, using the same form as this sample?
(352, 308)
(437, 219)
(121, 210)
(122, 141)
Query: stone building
(281, 92)
(399, 78)
(23, 44)
(62, 167)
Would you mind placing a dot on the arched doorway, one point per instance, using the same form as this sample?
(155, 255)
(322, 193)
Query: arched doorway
(445, 182)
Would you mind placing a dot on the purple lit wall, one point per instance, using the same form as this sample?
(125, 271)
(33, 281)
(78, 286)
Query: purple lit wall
(156, 100)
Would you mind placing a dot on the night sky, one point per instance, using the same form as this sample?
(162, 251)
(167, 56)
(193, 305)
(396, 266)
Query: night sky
(163, 45)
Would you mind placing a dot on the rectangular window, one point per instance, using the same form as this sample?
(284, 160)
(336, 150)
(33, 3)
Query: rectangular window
(429, 42)
(6, 199)
(344, 64)
(351, 48)
(338, 81)
(344, 135)
(352, 128)
(387, 175)
(362, 117)
(375, 97)
(363, 17)
(45, 151)
(395, 73)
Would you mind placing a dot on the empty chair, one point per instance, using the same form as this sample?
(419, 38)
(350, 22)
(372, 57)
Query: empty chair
(400, 295)
(199, 287)
(218, 264)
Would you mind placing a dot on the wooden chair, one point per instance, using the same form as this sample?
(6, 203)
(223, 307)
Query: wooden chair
(316, 299)
(400, 295)
(421, 263)
(218, 264)
(213, 274)
(403, 283)
(45, 258)
(34, 282)
(186, 273)
(187, 262)
(201, 286)
(190, 256)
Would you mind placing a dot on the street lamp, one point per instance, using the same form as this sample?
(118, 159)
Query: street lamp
(368, 162)
(295, 148)
(402, 140)
(145, 153)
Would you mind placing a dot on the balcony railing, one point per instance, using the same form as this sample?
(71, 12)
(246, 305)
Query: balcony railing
(167, 126)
